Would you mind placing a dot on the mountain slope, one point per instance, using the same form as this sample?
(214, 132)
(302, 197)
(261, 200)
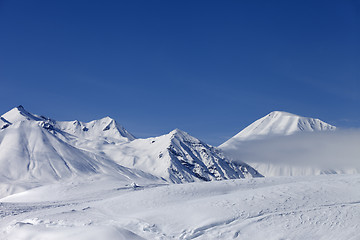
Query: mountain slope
(277, 123)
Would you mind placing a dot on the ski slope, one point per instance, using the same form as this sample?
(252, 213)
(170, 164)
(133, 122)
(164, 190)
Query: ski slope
(275, 208)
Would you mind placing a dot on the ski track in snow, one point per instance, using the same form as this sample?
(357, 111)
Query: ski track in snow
(316, 207)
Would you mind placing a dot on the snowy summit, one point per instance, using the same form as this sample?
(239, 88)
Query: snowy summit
(278, 123)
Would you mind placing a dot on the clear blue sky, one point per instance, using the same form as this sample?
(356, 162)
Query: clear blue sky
(207, 67)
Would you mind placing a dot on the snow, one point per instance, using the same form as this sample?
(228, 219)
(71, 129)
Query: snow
(32, 156)
(176, 157)
(285, 144)
(106, 128)
(19, 114)
(36, 150)
(277, 123)
(82, 181)
(314, 207)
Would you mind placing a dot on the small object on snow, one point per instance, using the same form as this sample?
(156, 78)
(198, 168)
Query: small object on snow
(134, 185)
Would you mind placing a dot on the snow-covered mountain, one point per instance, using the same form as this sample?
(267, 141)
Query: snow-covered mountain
(33, 153)
(106, 128)
(274, 146)
(277, 123)
(176, 157)
(36, 150)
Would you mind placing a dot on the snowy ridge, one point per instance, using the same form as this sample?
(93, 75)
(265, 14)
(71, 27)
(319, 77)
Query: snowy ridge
(4, 123)
(103, 128)
(20, 114)
(201, 160)
(277, 123)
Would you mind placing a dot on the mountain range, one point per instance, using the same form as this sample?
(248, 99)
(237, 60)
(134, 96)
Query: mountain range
(36, 150)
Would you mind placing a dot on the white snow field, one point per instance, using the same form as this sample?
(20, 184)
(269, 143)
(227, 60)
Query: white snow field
(312, 207)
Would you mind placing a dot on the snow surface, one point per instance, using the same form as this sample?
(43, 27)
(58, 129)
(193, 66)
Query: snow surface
(313, 207)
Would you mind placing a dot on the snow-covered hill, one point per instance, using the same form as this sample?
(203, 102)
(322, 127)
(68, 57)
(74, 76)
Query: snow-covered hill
(277, 123)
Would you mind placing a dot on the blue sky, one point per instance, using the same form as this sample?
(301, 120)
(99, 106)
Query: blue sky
(207, 67)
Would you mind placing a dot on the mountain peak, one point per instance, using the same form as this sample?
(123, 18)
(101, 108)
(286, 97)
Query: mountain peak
(278, 123)
(178, 131)
(105, 128)
(276, 114)
(19, 114)
(182, 135)
(20, 107)
(108, 119)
